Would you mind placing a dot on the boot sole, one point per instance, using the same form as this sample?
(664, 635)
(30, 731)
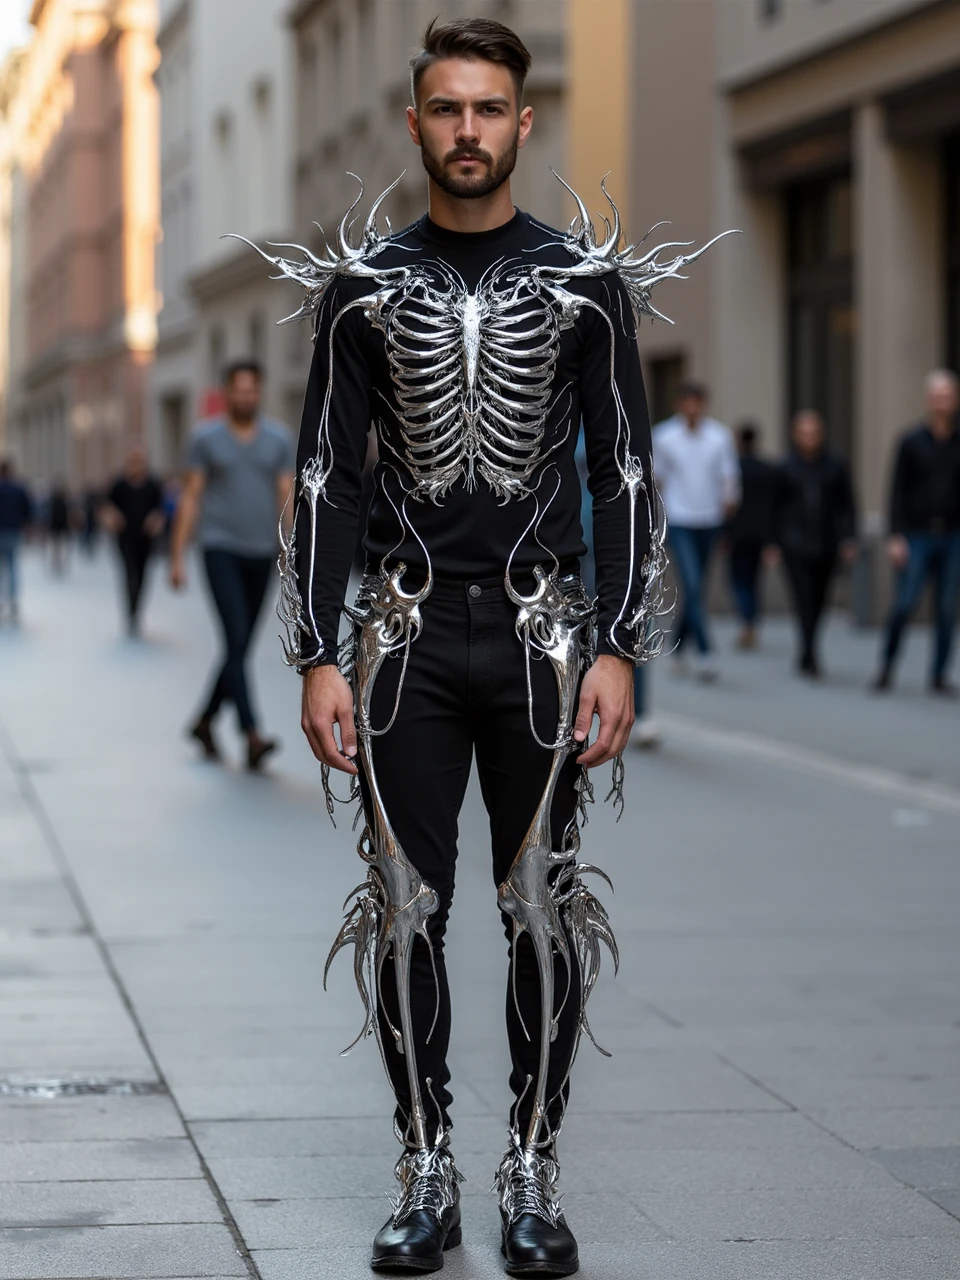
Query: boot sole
(388, 1263)
(539, 1268)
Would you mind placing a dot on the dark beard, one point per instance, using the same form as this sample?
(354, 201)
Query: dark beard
(471, 188)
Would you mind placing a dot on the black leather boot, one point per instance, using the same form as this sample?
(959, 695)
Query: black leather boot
(536, 1238)
(426, 1218)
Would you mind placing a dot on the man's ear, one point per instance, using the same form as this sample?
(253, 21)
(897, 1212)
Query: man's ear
(526, 124)
(413, 125)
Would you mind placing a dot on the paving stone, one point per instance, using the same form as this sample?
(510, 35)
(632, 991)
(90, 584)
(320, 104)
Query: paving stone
(94, 1161)
(88, 1204)
(87, 1119)
(797, 1215)
(98, 1252)
(923, 1167)
(867, 1127)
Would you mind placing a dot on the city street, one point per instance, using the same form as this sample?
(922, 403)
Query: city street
(783, 1099)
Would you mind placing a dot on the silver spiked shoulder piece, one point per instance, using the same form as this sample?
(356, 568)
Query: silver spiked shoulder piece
(640, 274)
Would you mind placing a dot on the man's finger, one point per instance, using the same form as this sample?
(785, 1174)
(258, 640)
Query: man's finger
(348, 732)
(585, 710)
(601, 749)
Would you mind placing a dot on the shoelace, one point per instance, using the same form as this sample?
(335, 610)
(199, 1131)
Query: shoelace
(529, 1186)
(428, 1180)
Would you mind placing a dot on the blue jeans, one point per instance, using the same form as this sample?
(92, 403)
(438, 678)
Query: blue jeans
(935, 555)
(9, 553)
(237, 585)
(745, 558)
(691, 554)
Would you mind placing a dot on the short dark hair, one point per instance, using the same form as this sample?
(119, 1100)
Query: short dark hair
(246, 364)
(6, 468)
(748, 433)
(477, 40)
(696, 390)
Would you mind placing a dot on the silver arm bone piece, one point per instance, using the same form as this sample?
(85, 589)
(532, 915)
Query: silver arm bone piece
(394, 903)
(543, 893)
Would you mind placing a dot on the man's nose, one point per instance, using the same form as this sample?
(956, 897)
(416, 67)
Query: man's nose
(468, 129)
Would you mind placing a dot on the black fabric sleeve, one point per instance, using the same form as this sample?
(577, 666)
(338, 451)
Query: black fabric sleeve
(898, 515)
(330, 456)
(616, 428)
(848, 510)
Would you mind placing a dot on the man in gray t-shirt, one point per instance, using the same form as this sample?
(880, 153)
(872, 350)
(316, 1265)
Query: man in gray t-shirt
(239, 469)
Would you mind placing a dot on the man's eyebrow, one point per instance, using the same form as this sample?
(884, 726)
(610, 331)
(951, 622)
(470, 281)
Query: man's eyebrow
(439, 99)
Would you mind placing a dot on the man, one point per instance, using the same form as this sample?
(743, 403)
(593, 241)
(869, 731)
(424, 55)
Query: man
(924, 539)
(476, 340)
(817, 526)
(16, 512)
(751, 532)
(699, 479)
(239, 473)
(133, 513)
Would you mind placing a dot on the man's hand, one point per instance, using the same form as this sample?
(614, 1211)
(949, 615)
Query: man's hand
(177, 573)
(328, 701)
(607, 691)
(898, 551)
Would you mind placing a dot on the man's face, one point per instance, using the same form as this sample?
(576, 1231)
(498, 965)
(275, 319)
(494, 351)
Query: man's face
(243, 396)
(136, 466)
(467, 126)
(808, 433)
(690, 407)
(942, 398)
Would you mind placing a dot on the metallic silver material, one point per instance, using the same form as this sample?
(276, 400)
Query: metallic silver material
(393, 905)
(543, 893)
(429, 1181)
(526, 1182)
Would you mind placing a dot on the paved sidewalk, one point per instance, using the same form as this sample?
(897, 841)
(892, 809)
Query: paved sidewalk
(784, 1095)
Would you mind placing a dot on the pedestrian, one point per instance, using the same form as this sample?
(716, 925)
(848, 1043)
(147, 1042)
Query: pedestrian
(133, 512)
(751, 533)
(16, 511)
(92, 502)
(816, 528)
(699, 480)
(476, 340)
(239, 470)
(924, 539)
(59, 525)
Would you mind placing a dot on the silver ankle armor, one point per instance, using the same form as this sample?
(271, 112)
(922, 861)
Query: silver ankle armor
(429, 1181)
(526, 1183)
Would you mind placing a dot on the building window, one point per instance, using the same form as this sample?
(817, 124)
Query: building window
(218, 356)
(255, 338)
(952, 238)
(666, 374)
(822, 318)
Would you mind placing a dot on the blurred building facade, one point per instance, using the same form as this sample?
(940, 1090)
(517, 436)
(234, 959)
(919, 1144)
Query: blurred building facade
(81, 199)
(11, 224)
(226, 88)
(830, 134)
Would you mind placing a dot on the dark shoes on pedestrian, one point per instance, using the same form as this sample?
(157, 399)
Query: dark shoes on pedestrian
(944, 689)
(536, 1240)
(202, 732)
(883, 683)
(258, 749)
(426, 1217)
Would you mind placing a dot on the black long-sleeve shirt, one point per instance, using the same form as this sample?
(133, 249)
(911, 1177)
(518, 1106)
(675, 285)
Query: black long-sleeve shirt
(476, 465)
(817, 508)
(925, 493)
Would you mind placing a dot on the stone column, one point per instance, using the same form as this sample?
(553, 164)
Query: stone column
(899, 286)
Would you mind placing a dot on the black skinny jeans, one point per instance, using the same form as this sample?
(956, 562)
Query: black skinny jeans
(464, 691)
(810, 578)
(237, 585)
(135, 553)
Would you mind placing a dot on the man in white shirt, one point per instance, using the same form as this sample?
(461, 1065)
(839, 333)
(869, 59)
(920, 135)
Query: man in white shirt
(698, 475)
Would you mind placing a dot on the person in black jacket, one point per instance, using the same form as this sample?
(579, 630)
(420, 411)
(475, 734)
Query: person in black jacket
(924, 539)
(751, 531)
(16, 512)
(817, 524)
(134, 514)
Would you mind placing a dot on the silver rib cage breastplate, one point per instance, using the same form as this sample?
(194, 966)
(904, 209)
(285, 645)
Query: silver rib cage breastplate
(473, 374)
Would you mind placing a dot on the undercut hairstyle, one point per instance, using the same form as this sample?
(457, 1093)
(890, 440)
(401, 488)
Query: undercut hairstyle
(476, 40)
(246, 364)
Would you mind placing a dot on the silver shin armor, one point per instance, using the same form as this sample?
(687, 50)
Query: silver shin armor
(394, 903)
(544, 894)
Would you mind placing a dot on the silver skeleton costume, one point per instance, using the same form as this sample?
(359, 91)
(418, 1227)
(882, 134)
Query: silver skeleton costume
(472, 374)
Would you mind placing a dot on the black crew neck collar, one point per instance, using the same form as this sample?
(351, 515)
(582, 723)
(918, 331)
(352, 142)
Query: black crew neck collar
(430, 230)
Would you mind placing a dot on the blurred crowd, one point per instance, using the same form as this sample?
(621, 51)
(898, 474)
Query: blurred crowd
(796, 514)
